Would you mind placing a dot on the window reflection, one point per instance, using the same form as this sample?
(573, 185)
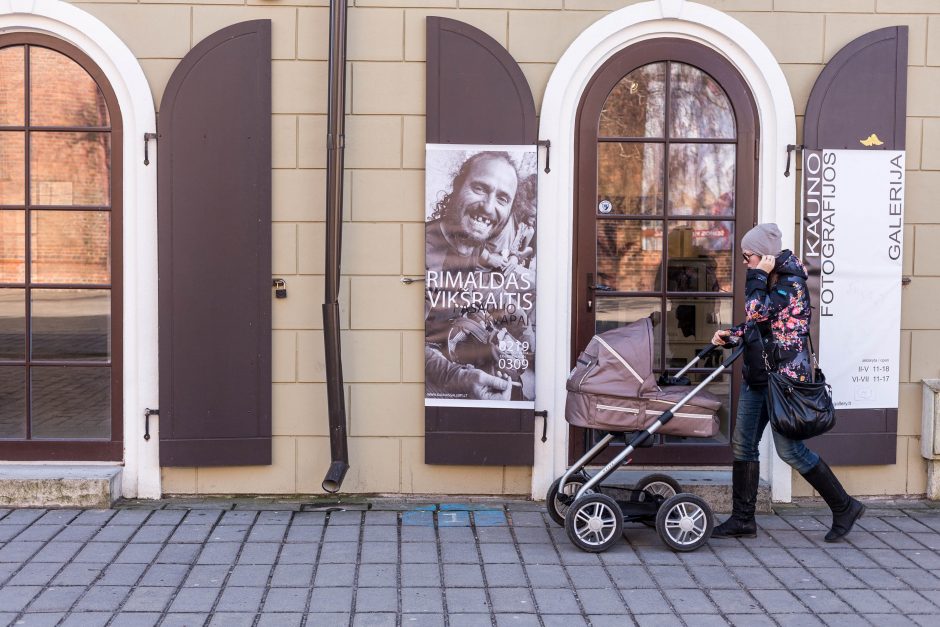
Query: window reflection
(701, 179)
(612, 313)
(12, 246)
(629, 255)
(12, 95)
(72, 403)
(720, 387)
(12, 402)
(700, 256)
(636, 105)
(12, 323)
(698, 106)
(12, 167)
(71, 324)
(70, 168)
(62, 93)
(630, 178)
(70, 247)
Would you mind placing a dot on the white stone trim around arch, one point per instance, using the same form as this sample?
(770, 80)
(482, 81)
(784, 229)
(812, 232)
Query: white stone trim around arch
(141, 474)
(776, 193)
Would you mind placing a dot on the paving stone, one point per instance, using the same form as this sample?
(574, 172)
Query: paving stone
(512, 600)
(460, 553)
(494, 535)
(378, 575)
(380, 533)
(422, 601)
(331, 599)
(556, 601)
(153, 534)
(19, 552)
(78, 574)
(335, 575)
(909, 601)
(298, 553)
(135, 619)
(917, 578)
(339, 553)
(165, 575)
(865, 601)
(44, 619)
(539, 554)
(686, 601)
(191, 619)
(466, 601)
(149, 598)
(704, 620)
(232, 619)
(292, 575)
(103, 599)
(735, 602)
(387, 619)
(77, 533)
(797, 579)
(379, 553)
(15, 598)
(517, 620)
(115, 533)
(749, 620)
(283, 619)
(672, 577)
(286, 600)
(9, 532)
(240, 599)
(122, 574)
(138, 553)
(889, 620)
(191, 534)
(714, 577)
(612, 621)
(602, 601)
(546, 576)
(206, 576)
(35, 574)
(345, 518)
(89, 619)
(229, 533)
(259, 553)
(40, 533)
(824, 602)
(797, 620)
(56, 599)
(194, 600)
(418, 534)
(653, 620)
(461, 576)
(249, 575)
(504, 575)
(419, 553)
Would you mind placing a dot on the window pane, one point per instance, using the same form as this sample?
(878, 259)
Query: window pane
(629, 178)
(70, 168)
(613, 312)
(629, 255)
(720, 387)
(690, 324)
(635, 106)
(70, 247)
(698, 106)
(701, 179)
(12, 167)
(700, 256)
(71, 403)
(12, 94)
(12, 323)
(62, 93)
(12, 402)
(12, 246)
(71, 324)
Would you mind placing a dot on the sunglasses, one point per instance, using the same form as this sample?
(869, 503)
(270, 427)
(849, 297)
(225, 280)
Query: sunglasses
(747, 256)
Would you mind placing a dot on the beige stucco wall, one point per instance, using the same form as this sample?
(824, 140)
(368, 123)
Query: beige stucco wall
(382, 319)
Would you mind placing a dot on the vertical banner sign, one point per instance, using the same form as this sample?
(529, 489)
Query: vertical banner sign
(853, 224)
(480, 259)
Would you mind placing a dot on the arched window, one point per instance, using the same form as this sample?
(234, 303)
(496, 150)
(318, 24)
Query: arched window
(666, 184)
(60, 266)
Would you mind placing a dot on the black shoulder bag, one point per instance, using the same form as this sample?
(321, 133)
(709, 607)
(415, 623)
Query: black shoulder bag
(800, 409)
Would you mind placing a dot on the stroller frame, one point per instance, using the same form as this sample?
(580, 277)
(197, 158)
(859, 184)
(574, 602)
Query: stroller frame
(643, 505)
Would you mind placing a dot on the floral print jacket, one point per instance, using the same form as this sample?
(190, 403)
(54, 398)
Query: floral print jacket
(777, 321)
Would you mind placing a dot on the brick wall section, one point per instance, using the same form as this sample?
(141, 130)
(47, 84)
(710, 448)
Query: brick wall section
(382, 320)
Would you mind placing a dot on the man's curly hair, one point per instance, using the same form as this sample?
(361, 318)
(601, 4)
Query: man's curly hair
(442, 205)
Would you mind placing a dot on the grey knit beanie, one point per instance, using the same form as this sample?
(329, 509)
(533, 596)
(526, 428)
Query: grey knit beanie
(763, 239)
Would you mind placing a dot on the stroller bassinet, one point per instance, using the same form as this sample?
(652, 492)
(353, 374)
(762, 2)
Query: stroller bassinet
(612, 388)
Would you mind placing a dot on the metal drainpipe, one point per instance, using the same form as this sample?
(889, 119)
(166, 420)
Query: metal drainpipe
(335, 144)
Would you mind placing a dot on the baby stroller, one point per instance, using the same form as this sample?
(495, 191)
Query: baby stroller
(612, 389)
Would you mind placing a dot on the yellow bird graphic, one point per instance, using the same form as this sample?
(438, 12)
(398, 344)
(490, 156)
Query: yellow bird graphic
(871, 140)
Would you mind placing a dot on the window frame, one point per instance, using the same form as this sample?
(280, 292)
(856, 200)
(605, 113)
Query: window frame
(110, 449)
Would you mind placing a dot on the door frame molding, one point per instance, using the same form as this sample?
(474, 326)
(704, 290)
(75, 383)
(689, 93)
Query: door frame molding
(141, 474)
(776, 194)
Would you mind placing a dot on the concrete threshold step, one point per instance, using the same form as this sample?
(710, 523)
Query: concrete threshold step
(29, 485)
(712, 485)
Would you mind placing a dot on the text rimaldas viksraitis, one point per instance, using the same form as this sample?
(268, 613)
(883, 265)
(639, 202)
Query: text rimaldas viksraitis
(489, 291)
(821, 192)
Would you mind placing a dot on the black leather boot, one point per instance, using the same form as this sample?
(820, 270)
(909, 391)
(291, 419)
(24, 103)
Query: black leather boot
(845, 509)
(744, 479)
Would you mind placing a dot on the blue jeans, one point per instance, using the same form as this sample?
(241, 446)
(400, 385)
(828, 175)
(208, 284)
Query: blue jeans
(752, 419)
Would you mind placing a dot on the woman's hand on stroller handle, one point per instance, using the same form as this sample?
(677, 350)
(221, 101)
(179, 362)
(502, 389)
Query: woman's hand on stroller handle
(723, 338)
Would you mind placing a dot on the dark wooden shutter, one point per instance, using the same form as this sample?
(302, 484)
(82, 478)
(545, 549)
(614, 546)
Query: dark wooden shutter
(476, 94)
(862, 90)
(214, 228)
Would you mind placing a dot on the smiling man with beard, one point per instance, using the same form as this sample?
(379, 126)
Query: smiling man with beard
(474, 212)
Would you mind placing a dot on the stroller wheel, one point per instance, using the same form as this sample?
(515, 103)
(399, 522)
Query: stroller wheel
(594, 522)
(684, 522)
(557, 509)
(657, 484)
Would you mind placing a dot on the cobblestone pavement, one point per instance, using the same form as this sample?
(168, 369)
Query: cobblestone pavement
(488, 562)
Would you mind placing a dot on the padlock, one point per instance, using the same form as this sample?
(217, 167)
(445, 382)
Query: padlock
(280, 288)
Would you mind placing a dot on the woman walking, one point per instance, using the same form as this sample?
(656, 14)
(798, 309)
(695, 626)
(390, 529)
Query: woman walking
(775, 334)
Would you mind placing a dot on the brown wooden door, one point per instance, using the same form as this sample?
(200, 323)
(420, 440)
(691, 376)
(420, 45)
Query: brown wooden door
(666, 149)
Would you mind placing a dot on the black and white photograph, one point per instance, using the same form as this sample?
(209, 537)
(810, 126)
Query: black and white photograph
(480, 259)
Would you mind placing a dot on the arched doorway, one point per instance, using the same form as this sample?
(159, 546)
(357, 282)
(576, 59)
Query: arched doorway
(61, 147)
(665, 186)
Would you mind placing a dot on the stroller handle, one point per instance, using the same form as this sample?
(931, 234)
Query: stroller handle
(731, 342)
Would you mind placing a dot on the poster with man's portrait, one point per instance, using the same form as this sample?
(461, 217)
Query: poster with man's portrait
(480, 260)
